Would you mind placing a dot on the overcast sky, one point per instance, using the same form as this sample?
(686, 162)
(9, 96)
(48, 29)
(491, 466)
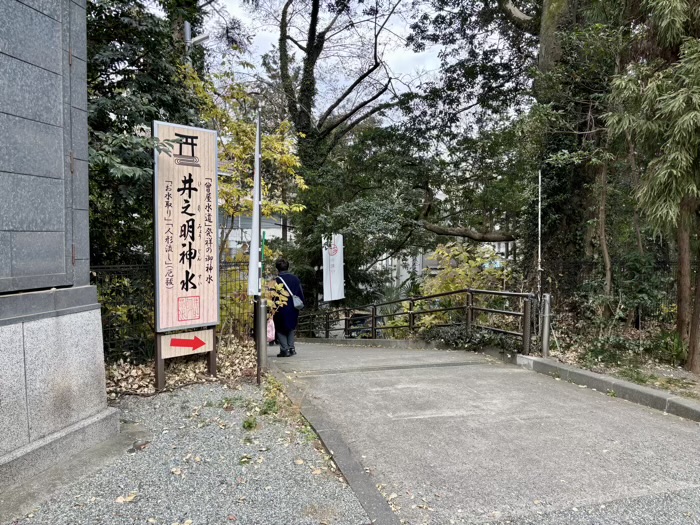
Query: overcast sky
(402, 61)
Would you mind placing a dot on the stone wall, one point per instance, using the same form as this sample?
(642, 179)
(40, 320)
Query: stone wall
(51, 361)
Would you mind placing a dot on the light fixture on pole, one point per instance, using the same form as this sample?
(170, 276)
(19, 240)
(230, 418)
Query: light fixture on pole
(189, 41)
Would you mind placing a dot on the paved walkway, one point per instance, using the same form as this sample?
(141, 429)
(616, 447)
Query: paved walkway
(457, 437)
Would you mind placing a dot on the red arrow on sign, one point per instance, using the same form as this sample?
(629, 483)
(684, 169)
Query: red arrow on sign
(194, 344)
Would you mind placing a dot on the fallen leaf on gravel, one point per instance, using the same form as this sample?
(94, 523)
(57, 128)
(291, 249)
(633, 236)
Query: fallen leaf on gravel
(131, 497)
(299, 461)
(392, 496)
(232, 518)
(316, 471)
(234, 360)
(176, 471)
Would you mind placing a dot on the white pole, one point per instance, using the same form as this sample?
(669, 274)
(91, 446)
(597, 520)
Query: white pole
(188, 40)
(539, 237)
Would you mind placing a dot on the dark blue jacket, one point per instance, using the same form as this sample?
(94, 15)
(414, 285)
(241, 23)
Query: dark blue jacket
(287, 317)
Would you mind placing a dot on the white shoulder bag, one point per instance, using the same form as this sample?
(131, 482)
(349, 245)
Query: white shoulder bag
(298, 303)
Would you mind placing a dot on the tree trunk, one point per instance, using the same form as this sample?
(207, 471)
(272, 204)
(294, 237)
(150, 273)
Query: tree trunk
(602, 216)
(632, 159)
(683, 277)
(693, 363)
(555, 13)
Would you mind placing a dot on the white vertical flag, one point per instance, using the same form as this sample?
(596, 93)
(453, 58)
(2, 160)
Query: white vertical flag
(333, 271)
(254, 277)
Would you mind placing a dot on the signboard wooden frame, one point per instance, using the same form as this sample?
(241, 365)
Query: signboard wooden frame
(186, 228)
(172, 345)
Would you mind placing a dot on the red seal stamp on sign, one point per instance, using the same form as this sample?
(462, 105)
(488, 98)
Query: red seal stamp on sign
(188, 308)
(333, 249)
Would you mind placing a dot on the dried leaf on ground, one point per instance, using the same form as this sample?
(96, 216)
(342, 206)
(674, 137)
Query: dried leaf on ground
(234, 360)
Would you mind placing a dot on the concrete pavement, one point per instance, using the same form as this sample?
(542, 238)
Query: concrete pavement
(457, 437)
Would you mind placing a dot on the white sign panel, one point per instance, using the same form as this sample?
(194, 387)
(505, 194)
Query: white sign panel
(187, 343)
(187, 261)
(333, 271)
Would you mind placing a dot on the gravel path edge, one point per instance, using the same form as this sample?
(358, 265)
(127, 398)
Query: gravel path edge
(372, 501)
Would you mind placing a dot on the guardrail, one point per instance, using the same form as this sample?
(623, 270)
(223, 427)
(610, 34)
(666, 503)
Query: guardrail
(470, 303)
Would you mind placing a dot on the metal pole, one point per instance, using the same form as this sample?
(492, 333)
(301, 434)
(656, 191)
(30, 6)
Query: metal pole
(411, 318)
(527, 322)
(160, 364)
(255, 279)
(328, 325)
(374, 322)
(546, 302)
(261, 337)
(258, 189)
(188, 40)
(470, 312)
(346, 331)
(539, 237)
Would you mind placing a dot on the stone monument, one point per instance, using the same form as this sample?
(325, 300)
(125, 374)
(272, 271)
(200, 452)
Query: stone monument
(52, 385)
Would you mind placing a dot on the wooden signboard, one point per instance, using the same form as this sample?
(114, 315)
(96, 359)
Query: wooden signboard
(187, 269)
(181, 344)
(186, 241)
(188, 343)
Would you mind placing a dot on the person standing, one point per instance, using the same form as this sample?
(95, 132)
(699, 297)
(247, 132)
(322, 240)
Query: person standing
(287, 317)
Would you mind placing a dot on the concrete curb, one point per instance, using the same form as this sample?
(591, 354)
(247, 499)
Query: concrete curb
(376, 507)
(641, 395)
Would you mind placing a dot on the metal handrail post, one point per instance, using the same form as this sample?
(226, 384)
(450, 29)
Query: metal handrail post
(328, 325)
(411, 316)
(546, 307)
(374, 322)
(470, 311)
(346, 330)
(527, 323)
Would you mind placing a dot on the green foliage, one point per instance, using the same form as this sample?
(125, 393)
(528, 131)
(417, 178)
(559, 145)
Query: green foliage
(133, 79)
(459, 267)
(466, 266)
(659, 106)
(250, 423)
(452, 336)
(127, 315)
(269, 407)
(616, 348)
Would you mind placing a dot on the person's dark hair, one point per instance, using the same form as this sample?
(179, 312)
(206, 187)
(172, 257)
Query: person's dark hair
(282, 265)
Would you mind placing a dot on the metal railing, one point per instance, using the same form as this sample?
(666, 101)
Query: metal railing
(467, 307)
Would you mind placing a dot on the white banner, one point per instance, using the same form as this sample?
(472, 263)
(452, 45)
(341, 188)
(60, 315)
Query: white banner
(254, 277)
(333, 271)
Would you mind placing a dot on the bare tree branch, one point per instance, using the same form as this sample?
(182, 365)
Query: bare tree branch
(374, 67)
(518, 18)
(341, 8)
(359, 107)
(458, 231)
(296, 43)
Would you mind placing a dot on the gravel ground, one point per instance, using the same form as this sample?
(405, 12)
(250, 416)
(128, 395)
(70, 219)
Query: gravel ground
(203, 467)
